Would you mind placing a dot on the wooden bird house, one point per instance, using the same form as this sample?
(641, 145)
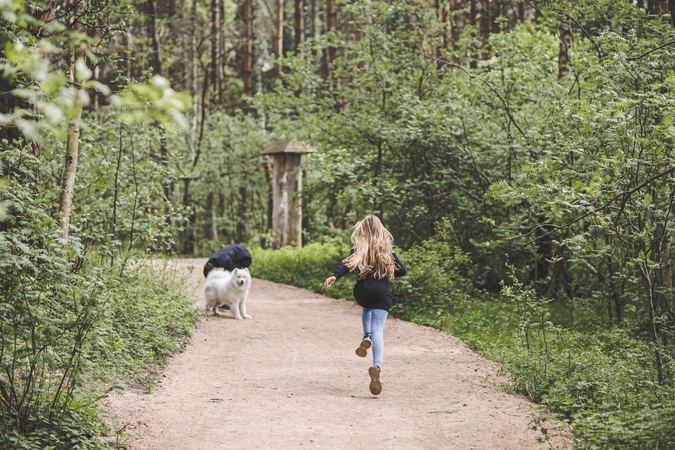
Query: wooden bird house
(286, 180)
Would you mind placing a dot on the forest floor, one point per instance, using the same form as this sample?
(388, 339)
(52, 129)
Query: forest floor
(289, 378)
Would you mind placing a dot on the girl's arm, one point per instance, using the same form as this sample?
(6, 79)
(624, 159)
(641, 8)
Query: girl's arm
(399, 268)
(339, 273)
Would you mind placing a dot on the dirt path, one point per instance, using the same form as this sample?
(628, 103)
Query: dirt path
(288, 379)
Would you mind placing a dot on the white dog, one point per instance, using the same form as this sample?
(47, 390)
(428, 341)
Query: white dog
(227, 288)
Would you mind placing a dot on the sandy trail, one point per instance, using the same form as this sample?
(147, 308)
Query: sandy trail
(288, 379)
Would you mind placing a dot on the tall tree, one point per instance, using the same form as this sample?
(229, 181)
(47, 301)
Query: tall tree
(565, 34)
(331, 27)
(279, 40)
(194, 74)
(299, 24)
(77, 68)
(215, 51)
(70, 162)
(153, 32)
(247, 47)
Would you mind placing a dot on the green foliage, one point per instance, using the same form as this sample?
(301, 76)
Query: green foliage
(438, 278)
(57, 94)
(418, 140)
(147, 318)
(74, 428)
(306, 267)
(229, 194)
(70, 328)
(46, 314)
(153, 100)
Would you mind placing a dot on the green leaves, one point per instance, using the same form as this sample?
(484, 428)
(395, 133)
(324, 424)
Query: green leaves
(36, 64)
(154, 100)
(69, 328)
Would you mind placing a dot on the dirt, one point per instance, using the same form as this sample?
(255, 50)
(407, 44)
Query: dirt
(289, 379)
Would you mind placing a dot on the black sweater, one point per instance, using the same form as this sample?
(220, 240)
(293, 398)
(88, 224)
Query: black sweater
(371, 292)
(231, 257)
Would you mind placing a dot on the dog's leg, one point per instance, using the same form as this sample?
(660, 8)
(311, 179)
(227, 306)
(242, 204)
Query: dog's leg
(235, 310)
(243, 310)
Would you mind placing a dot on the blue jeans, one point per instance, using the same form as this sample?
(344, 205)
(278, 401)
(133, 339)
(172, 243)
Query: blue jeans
(373, 323)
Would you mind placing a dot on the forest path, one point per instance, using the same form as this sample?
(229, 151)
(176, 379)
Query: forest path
(288, 379)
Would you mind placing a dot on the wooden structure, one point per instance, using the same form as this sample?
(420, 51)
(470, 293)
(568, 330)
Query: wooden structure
(286, 187)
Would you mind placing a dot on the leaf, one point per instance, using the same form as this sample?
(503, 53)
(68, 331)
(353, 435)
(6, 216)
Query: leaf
(82, 72)
(29, 128)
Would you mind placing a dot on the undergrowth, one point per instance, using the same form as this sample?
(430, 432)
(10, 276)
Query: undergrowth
(74, 325)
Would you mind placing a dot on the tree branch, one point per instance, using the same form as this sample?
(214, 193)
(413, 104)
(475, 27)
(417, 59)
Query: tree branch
(586, 214)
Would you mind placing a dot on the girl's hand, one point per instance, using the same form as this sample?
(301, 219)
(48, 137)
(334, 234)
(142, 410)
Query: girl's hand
(329, 282)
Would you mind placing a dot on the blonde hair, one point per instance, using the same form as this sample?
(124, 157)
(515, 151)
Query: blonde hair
(373, 246)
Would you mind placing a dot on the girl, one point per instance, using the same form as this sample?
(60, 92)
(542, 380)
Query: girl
(373, 256)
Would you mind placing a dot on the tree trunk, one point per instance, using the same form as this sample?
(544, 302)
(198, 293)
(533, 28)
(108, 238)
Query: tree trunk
(457, 23)
(70, 168)
(188, 244)
(241, 213)
(312, 14)
(8, 102)
(164, 161)
(527, 12)
(331, 26)
(664, 7)
(212, 207)
(475, 15)
(247, 49)
(299, 25)
(654, 334)
(269, 167)
(156, 56)
(565, 32)
(280, 36)
(668, 277)
(215, 50)
(493, 11)
(193, 81)
(654, 7)
(482, 20)
(441, 7)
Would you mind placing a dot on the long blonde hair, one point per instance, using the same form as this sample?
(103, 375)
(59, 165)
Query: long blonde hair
(373, 245)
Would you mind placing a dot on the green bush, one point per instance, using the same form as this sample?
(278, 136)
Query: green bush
(306, 267)
(71, 324)
(437, 278)
(145, 318)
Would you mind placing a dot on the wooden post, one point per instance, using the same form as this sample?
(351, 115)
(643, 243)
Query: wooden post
(286, 189)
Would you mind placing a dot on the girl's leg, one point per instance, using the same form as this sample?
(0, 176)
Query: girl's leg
(378, 318)
(366, 318)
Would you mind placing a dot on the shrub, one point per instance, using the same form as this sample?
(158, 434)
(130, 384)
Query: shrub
(306, 267)
(69, 327)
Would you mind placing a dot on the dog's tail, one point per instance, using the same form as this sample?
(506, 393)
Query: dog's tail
(218, 273)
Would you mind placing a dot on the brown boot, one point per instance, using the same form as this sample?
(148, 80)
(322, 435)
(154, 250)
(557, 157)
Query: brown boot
(362, 351)
(375, 384)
